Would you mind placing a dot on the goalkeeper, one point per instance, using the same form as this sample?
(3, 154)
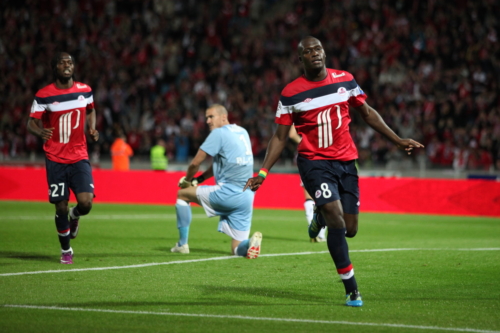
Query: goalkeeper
(229, 145)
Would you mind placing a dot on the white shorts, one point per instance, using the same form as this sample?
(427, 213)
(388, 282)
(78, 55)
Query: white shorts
(234, 207)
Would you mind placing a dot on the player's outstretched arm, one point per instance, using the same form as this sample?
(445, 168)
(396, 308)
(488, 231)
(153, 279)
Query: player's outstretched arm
(273, 152)
(35, 127)
(373, 118)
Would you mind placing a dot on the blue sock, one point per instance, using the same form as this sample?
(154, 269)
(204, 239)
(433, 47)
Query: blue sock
(184, 216)
(242, 248)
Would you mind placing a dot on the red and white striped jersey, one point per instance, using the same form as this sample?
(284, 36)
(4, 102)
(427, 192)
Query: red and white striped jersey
(65, 110)
(320, 112)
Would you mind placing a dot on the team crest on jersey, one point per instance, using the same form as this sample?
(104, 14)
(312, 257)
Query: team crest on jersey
(317, 194)
(341, 91)
(307, 100)
(55, 103)
(81, 86)
(81, 98)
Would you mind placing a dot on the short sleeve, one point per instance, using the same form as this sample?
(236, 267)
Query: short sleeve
(357, 97)
(283, 113)
(213, 143)
(90, 102)
(37, 109)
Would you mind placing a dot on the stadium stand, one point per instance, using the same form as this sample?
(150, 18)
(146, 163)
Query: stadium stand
(431, 68)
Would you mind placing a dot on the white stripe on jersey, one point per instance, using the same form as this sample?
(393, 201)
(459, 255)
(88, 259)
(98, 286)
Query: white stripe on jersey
(77, 119)
(318, 102)
(325, 136)
(320, 131)
(65, 127)
(35, 107)
(62, 106)
(339, 116)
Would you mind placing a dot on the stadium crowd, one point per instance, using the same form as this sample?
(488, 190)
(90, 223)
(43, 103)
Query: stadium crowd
(431, 68)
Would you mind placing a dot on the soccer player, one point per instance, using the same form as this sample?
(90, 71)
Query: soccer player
(308, 202)
(58, 116)
(317, 103)
(229, 145)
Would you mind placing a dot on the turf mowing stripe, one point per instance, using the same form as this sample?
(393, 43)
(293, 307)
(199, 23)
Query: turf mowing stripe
(309, 321)
(131, 217)
(102, 217)
(233, 257)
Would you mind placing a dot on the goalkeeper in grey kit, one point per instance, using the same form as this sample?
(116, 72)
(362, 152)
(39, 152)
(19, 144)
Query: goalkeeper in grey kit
(229, 146)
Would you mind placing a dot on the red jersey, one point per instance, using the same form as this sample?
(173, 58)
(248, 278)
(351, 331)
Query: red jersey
(320, 112)
(65, 110)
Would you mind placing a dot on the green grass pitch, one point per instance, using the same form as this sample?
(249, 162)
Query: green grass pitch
(417, 273)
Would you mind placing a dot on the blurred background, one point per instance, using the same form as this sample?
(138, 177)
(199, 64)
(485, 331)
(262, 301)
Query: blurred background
(431, 68)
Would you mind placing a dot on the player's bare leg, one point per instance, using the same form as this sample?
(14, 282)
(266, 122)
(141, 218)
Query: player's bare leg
(351, 224)
(83, 207)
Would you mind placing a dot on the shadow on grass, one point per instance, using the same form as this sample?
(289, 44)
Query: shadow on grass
(224, 296)
(25, 256)
(303, 297)
(301, 239)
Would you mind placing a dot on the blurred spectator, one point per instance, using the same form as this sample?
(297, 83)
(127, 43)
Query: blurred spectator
(159, 160)
(181, 142)
(121, 152)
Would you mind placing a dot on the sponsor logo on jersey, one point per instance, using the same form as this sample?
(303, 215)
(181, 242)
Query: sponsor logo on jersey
(55, 103)
(81, 86)
(81, 98)
(341, 91)
(307, 100)
(335, 75)
(317, 194)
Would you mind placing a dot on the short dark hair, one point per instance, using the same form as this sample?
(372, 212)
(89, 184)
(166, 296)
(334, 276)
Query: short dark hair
(300, 48)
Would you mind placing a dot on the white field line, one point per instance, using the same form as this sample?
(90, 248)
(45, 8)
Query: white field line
(200, 315)
(231, 257)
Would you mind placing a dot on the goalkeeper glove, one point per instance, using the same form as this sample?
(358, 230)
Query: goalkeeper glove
(183, 183)
(197, 180)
